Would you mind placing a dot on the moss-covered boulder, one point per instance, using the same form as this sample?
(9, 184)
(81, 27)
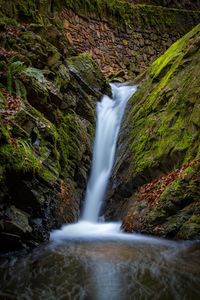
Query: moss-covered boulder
(87, 73)
(169, 206)
(160, 133)
(47, 108)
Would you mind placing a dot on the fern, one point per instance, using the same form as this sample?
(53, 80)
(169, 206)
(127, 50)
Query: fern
(13, 58)
(17, 67)
(14, 68)
(26, 146)
(34, 73)
(20, 89)
(2, 98)
(9, 79)
(23, 90)
(3, 64)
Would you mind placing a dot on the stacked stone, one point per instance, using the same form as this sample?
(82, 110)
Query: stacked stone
(96, 38)
(132, 50)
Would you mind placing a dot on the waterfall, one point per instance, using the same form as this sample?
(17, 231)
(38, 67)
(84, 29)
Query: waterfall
(109, 115)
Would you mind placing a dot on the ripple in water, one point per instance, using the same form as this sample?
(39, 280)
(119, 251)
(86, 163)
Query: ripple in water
(104, 268)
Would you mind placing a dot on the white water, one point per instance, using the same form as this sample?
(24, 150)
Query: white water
(109, 115)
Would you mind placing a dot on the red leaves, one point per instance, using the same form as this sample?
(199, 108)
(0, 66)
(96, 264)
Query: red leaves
(11, 109)
(7, 53)
(153, 190)
(13, 31)
(13, 141)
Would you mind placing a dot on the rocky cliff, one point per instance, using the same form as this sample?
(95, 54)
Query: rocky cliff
(47, 106)
(155, 182)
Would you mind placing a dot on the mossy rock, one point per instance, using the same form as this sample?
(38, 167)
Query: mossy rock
(173, 214)
(161, 118)
(190, 229)
(88, 74)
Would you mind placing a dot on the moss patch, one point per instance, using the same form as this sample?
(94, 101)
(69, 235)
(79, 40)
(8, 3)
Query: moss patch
(123, 13)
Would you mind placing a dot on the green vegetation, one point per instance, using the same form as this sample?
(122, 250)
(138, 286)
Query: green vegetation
(122, 13)
(159, 123)
(15, 72)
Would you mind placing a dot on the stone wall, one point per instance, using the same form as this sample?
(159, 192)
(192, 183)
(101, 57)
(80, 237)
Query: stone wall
(134, 44)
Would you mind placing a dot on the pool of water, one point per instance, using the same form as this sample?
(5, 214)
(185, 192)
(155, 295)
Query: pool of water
(104, 268)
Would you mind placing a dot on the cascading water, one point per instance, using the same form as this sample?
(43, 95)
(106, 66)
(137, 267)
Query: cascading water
(109, 116)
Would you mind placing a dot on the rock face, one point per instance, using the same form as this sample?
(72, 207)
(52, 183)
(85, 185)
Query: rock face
(155, 182)
(47, 106)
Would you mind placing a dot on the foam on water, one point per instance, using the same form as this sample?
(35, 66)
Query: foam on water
(85, 230)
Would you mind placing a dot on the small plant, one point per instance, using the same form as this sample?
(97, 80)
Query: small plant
(28, 158)
(16, 73)
(27, 148)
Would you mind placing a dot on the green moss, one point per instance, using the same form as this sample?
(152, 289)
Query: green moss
(26, 36)
(47, 176)
(4, 135)
(117, 12)
(19, 157)
(77, 60)
(73, 142)
(88, 73)
(7, 21)
(172, 56)
(25, 10)
(195, 219)
(159, 114)
(122, 13)
(22, 158)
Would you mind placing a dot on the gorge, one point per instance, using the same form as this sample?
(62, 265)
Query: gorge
(57, 60)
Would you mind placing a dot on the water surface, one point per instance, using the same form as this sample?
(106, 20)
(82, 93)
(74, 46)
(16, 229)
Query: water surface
(109, 266)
